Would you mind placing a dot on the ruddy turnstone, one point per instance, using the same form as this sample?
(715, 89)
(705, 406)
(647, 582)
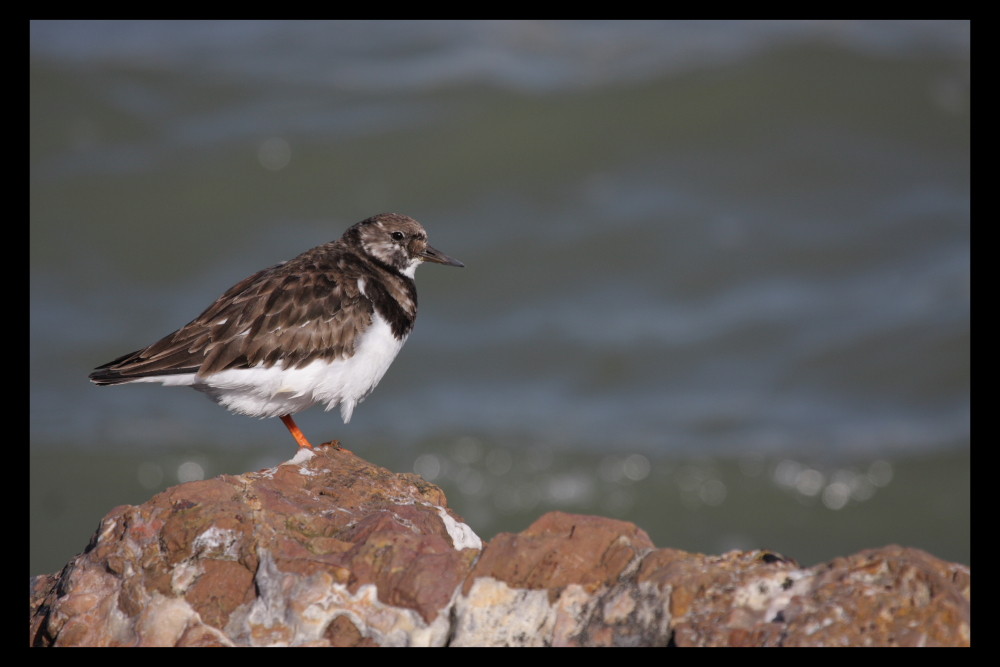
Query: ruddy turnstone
(321, 328)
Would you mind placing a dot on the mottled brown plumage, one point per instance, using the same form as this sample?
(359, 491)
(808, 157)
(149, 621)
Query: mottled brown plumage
(314, 308)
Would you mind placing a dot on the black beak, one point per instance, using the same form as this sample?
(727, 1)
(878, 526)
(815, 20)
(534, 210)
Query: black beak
(433, 255)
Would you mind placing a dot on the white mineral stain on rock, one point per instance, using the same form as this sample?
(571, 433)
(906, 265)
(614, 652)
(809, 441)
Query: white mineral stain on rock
(462, 536)
(295, 609)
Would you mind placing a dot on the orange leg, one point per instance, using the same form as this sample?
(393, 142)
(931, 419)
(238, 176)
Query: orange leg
(296, 432)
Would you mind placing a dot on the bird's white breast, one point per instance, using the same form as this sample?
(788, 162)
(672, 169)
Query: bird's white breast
(276, 391)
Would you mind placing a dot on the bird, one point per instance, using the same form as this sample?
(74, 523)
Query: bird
(322, 328)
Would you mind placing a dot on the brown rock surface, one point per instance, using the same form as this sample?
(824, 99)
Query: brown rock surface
(330, 550)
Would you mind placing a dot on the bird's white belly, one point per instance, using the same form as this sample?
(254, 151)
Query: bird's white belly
(275, 391)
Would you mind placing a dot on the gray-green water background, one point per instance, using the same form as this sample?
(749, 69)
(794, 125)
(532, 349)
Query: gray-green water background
(717, 282)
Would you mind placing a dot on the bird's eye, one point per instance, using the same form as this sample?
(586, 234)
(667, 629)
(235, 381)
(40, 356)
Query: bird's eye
(398, 236)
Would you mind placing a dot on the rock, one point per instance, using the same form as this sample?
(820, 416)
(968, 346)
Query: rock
(329, 550)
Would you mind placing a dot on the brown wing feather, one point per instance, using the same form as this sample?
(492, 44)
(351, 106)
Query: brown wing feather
(291, 314)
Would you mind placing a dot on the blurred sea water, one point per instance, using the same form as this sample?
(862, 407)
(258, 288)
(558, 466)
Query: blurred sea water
(717, 273)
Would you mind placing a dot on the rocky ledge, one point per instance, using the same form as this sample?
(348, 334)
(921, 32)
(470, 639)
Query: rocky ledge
(330, 550)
